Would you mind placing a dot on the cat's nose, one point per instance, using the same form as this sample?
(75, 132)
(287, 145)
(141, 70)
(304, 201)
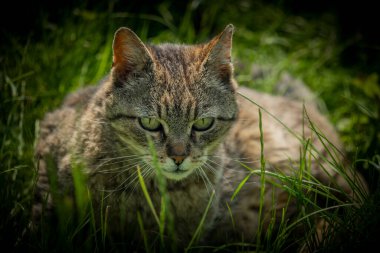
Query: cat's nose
(177, 152)
(178, 159)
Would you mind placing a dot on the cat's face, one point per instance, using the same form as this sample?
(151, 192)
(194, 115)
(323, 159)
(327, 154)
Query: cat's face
(182, 98)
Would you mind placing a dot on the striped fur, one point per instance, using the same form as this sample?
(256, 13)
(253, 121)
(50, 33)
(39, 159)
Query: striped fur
(177, 85)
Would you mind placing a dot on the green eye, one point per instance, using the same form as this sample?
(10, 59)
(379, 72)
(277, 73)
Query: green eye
(150, 124)
(203, 124)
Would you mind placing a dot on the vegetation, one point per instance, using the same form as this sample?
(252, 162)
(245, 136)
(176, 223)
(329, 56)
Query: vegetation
(72, 48)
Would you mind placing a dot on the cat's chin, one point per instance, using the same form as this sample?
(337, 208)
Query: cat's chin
(177, 175)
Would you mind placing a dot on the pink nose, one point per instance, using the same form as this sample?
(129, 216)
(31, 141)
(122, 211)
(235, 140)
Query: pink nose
(178, 159)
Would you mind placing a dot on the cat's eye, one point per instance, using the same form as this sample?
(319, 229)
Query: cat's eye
(203, 124)
(151, 124)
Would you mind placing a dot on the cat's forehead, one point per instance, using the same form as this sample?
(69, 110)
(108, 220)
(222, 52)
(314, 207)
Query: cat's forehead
(177, 60)
(171, 53)
(177, 77)
(181, 86)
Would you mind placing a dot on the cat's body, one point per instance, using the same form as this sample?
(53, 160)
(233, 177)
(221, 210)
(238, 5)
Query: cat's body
(104, 128)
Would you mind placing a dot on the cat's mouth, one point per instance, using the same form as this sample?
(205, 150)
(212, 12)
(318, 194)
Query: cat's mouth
(177, 174)
(173, 171)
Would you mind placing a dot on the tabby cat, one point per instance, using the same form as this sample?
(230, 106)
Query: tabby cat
(176, 111)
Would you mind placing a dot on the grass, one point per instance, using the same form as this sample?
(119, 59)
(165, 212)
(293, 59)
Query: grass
(40, 68)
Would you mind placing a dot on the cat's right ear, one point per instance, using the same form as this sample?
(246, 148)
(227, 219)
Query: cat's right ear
(129, 52)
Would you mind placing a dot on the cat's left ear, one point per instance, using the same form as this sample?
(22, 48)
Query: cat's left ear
(218, 54)
(129, 52)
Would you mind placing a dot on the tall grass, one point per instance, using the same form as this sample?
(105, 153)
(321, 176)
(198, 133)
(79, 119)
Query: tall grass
(37, 71)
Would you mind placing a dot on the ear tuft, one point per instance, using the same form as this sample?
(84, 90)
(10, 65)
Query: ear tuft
(229, 29)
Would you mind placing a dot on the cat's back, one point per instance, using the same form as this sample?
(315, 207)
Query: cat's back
(58, 125)
(287, 125)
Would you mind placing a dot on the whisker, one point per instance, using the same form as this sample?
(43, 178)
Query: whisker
(146, 171)
(208, 181)
(131, 185)
(120, 158)
(118, 168)
(213, 170)
(123, 183)
(129, 182)
(203, 179)
(122, 148)
(217, 164)
(197, 173)
(229, 157)
(244, 160)
(124, 156)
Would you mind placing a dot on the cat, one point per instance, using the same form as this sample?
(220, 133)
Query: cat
(182, 103)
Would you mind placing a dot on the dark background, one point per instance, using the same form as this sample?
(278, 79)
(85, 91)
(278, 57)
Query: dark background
(358, 21)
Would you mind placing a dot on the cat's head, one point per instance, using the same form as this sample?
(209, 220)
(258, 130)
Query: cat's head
(182, 97)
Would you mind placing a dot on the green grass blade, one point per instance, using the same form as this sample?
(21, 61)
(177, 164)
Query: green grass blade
(231, 215)
(143, 234)
(262, 182)
(92, 218)
(201, 223)
(242, 183)
(166, 219)
(307, 216)
(163, 214)
(147, 197)
(80, 188)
